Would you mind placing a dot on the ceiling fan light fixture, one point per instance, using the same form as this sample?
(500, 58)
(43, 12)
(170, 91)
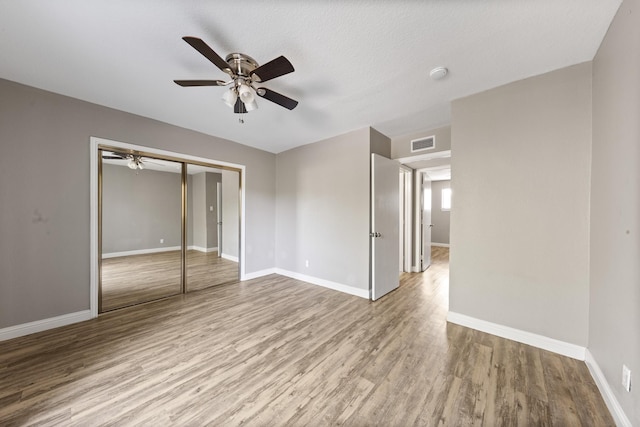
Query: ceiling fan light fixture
(245, 93)
(250, 106)
(135, 162)
(229, 97)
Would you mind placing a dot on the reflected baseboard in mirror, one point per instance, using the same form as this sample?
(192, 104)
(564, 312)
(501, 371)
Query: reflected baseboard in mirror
(134, 279)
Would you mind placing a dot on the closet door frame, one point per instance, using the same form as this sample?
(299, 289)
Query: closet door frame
(97, 144)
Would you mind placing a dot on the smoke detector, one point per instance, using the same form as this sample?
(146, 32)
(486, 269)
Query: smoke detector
(438, 73)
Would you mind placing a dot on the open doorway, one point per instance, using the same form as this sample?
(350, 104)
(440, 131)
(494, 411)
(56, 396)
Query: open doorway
(423, 224)
(441, 212)
(426, 169)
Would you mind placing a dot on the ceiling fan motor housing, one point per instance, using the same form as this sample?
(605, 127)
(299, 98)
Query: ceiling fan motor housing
(241, 64)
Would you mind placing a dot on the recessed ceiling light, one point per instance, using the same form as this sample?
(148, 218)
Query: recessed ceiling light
(438, 73)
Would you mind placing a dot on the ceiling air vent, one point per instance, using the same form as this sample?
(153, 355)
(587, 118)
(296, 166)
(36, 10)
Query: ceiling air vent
(421, 144)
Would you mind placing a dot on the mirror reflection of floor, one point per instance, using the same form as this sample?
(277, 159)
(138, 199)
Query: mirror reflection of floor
(207, 269)
(135, 279)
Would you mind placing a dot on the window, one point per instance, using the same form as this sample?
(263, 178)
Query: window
(446, 199)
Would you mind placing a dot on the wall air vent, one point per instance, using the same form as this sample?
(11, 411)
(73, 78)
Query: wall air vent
(422, 144)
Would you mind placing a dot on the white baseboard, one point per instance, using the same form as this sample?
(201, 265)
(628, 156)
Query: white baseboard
(362, 293)
(43, 325)
(607, 394)
(535, 340)
(229, 257)
(201, 249)
(442, 245)
(141, 252)
(256, 274)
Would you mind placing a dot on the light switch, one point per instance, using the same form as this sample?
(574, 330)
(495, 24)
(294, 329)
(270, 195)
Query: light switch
(210, 208)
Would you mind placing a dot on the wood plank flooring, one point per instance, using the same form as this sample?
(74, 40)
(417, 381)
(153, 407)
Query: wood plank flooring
(134, 279)
(274, 352)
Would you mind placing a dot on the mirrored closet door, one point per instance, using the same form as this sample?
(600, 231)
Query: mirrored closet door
(141, 229)
(212, 227)
(166, 227)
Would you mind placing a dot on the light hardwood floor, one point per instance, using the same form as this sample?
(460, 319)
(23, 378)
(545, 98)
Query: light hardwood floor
(135, 279)
(275, 351)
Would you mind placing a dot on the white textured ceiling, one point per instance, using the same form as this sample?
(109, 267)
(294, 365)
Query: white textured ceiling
(358, 62)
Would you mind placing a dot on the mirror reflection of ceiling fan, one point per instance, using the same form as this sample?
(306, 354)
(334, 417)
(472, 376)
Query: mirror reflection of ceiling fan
(135, 162)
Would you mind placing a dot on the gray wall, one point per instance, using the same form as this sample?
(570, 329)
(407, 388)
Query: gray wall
(142, 207)
(439, 218)
(379, 143)
(401, 145)
(614, 321)
(516, 150)
(139, 208)
(323, 209)
(44, 221)
(230, 213)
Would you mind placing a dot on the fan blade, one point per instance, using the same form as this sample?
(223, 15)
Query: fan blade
(239, 107)
(189, 83)
(277, 98)
(207, 52)
(113, 155)
(272, 69)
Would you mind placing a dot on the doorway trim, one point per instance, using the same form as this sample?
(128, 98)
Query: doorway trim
(406, 220)
(94, 143)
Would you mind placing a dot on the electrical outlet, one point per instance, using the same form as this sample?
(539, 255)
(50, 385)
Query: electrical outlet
(306, 263)
(161, 240)
(626, 378)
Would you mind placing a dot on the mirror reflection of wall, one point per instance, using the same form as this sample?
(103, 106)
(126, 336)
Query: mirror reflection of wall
(141, 230)
(212, 227)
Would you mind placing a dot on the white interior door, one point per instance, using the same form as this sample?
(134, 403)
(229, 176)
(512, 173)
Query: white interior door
(426, 223)
(384, 235)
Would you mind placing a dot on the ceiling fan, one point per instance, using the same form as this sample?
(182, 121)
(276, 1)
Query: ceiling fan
(135, 161)
(245, 74)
